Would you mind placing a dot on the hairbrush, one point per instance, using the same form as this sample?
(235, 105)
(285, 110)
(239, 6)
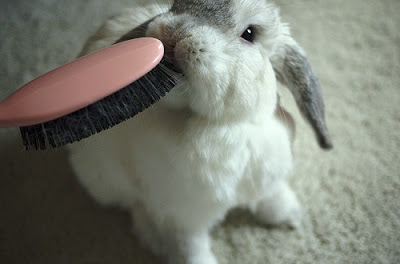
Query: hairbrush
(88, 95)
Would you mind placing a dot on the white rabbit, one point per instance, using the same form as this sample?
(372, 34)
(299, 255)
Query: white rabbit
(219, 140)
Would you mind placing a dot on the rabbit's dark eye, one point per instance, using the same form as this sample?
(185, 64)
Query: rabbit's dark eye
(249, 34)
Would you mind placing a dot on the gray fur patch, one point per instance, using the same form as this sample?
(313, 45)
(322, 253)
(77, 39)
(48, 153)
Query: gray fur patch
(212, 12)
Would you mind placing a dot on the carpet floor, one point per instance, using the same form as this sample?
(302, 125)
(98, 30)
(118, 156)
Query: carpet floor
(350, 195)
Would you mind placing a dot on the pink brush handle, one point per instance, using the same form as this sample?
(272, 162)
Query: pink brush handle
(80, 83)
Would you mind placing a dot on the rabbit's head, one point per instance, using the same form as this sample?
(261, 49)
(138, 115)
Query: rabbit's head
(227, 55)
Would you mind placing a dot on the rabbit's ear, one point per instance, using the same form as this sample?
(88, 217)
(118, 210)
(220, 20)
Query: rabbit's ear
(294, 71)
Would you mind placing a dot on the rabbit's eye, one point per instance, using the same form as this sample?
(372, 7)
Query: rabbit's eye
(248, 34)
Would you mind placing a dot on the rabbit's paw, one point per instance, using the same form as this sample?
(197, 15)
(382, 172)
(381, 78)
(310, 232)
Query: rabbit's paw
(193, 249)
(146, 231)
(282, 208)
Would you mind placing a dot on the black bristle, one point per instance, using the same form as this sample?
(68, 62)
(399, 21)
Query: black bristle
(102, 114)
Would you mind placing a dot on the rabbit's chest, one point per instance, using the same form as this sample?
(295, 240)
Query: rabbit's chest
(231, 164)
(269, 160)
(204, 162)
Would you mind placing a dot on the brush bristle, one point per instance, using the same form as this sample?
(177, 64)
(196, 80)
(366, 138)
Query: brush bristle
(101, 115)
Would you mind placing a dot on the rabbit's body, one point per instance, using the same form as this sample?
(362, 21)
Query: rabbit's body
(179, 165)
(185, 171)
(219, 140)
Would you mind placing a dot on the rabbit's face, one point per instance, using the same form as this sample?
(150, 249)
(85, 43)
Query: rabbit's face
(221, 49)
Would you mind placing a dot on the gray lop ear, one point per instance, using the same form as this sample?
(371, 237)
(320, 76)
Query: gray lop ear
(294, 71)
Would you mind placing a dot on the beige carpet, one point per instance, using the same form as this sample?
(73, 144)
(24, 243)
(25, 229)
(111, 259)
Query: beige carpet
(351, 195)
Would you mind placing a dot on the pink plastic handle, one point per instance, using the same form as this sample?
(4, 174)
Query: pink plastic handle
(80, 83)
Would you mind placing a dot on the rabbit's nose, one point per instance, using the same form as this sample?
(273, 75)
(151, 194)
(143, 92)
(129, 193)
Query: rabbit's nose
(169, 58)
(172, 37)
(176, 30)
(169, 53)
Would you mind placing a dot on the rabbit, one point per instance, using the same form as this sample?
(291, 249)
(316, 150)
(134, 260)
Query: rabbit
(219, 140)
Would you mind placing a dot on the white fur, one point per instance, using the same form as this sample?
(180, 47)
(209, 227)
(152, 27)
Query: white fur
(212, 144)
